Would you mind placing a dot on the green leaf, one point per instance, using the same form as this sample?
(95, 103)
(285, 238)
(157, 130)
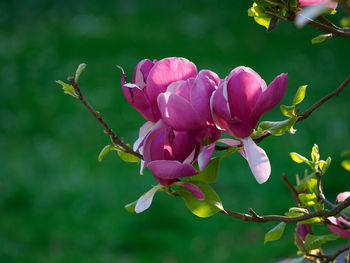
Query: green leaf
(288, 111)
(202, 208)
(278, 128)
(259, 15)
(345, 21)
(300, 95)
(308, 199)
(311, 185)
(67, 88)
(346, 164)
(130, 207)
(324, 165)
(209, 174)
(128, 157)
(275, 233)
(296, 157)
(104, 151)
(315, 155)
(313, 220)
(80, 69)
(313, 242)
(298, 210)
(321, 38)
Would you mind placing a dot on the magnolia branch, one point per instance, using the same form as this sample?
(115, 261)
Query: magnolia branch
(329, 258)
(115, 139)
(254, 217)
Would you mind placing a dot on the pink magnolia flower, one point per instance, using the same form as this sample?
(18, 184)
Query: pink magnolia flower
(169, 154)
(338, 221)
(152, 78)
(328, 3)
(238, 104)
(185, 105)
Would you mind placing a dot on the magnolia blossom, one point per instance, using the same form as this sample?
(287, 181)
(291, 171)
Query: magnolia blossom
(152, 78)
(328, 3)
(238, 104)
(169, 154)
(185, 105)
(338, 221)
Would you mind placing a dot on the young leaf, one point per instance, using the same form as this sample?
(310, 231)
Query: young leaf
(313, 220)
(287, 111)
(202, 208)
(346, 164)
(321, 38)
(275, 233)
(145, 201)
(308, 199)
(298, 210)
(259, 15)
(130, 207)
(296, 157)
(300, 95)
(313, 242)
(311, 185)
(104, 152)
(324, 165)
(128, 157)
(315, 155)
(67, 88)
(278, 128)
(209, 174)
(80, 69)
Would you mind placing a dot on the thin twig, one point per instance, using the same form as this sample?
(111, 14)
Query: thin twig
(292, 189)
(329, 258)
(324, 199)
(116, 140)
(325, 21)
(269, 218)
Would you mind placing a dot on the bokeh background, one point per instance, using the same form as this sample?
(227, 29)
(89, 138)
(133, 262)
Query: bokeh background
(58, 204)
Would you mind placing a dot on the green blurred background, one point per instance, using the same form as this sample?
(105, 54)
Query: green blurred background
(58, 204)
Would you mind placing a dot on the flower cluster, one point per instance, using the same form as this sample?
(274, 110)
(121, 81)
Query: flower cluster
(187, 111)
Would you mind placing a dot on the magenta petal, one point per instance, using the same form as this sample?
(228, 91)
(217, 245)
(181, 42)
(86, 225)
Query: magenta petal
(257, 159)
(302, 231)
(183, 145)
(166, 71)
(141, 72)
(243, 90)
(149, 139)
(270, 96)
(329, 3)
(177, 112)
(219, 108)
(144, 130)
(205, 155)
(204, 85)
(166, 169)
(194, 190)
(342, 196)
(137, 98)
(342, 232)
(230, 142)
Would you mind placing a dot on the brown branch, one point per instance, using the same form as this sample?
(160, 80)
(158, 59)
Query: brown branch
(270, 218)
(292, 189)
(115, 139)
(329, 258)
(325, 21)
(308, 112)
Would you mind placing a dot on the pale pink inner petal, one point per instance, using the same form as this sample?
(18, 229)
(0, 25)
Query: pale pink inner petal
(205, 155)
(257, 159)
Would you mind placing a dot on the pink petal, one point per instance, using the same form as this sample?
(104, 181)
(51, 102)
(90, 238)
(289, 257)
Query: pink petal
(145, 201)
(330, 4)
(167, 71)
(166, 169)
(177, 112)
(204, 85)
(219, 108)
(342, 232)
(182, 88)
(229, 142)
(183, 145)
(145, 128)
(138, 99)
(141, 72)
(205, 156)
(342, 196)
(270, 97)
(194, 190)
(257, 159)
